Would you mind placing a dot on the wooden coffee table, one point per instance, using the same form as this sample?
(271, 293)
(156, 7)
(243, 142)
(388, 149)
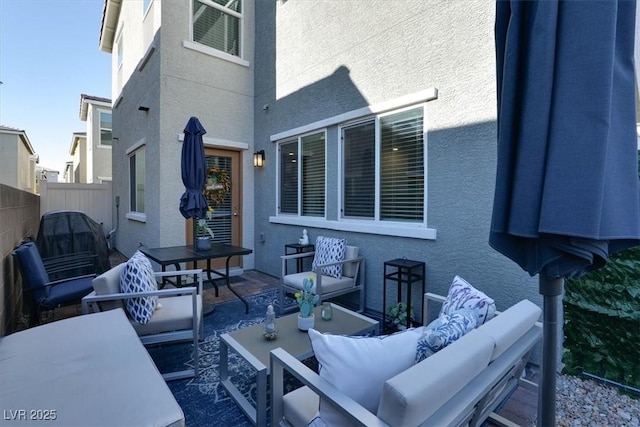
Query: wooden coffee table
(251, 346)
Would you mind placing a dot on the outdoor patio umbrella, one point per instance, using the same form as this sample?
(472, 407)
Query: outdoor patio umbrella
(193, 204)
(567, 190)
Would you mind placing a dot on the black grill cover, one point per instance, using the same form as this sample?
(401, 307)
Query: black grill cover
(72, 244)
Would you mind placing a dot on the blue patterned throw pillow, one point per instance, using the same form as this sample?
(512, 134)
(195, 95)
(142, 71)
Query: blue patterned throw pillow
(138, 276)
(463, 295)
(443, 331)
(329, 249)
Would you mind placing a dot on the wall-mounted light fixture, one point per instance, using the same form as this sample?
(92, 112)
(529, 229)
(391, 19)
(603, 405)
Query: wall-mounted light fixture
(143, 108)
(258, 159)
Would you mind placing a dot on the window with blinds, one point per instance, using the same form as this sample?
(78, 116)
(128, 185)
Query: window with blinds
(136, 180)
(217, 23)
(302, 176)
(313, 180)
(105, 128)
(289, 177)
(402, 167)
(359, 170)
(400, 184)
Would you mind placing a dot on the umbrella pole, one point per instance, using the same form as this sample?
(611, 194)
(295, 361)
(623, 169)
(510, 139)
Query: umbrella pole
(551, 289)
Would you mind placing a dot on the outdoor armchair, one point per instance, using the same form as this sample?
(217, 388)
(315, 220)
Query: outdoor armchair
(41, 293)
(177, 319)
(325, 285)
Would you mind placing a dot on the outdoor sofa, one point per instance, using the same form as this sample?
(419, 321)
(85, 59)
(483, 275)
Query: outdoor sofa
(83, 371)
(460, 385)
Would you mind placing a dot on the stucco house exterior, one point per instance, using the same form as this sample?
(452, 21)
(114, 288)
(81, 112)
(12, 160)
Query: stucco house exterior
(18, 159)
(91, 150)
(377, 122)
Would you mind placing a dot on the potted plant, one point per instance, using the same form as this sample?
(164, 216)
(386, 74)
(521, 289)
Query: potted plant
(398, 315)
(306, 301)
(203, 242)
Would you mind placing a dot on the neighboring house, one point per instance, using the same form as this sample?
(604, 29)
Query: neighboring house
(91, 150)
(44, 174)
(68, 172)
(18, 159)
(377, 119)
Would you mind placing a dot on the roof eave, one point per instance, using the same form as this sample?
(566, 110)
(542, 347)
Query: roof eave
(110, 15)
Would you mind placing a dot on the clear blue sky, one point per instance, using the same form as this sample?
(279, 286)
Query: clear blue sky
(49, 55)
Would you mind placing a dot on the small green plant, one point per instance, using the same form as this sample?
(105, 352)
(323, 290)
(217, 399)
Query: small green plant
(398, 314)
(306, 300)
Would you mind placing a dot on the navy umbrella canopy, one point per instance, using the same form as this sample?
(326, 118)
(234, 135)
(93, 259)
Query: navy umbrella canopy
(567, 191)
(193, 204)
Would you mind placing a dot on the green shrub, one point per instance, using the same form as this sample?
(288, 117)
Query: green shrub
(602, 321)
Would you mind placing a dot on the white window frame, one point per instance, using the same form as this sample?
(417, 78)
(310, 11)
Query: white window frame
(399, 229)
(133, 151)
(193, 45)
(120, 48)
(298, 139)
(378, 172)
(100, 144)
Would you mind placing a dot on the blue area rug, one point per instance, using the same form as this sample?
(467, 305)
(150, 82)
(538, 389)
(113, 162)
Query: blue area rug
(203, 399)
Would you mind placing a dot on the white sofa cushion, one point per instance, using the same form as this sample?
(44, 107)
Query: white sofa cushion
(507, 327)
(359, 366)
(138, 276)
(175, 314)
(462, 295)
(329, 249)
(444, 331)
(350, 269)
(92, 370)
(416, 393)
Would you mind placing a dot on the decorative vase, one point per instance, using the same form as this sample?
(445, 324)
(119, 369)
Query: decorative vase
(203, 243)
(306, 323)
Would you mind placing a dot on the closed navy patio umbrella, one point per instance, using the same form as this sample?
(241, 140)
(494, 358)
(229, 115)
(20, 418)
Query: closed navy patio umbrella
(567, 190)
(193, 204)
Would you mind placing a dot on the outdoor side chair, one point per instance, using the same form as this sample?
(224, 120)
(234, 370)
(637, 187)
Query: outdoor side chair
(41, 293)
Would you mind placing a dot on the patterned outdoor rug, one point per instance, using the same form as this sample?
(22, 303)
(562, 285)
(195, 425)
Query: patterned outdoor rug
(203, 399)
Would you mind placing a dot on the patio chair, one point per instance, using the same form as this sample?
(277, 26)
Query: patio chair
(333, 272)
(43, 294)
(178, 317)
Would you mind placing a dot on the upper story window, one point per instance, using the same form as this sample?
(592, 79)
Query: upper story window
(136, 180)
(217, 24)
(120, 48)
(302, 175)
(383, 168)
(106, 137)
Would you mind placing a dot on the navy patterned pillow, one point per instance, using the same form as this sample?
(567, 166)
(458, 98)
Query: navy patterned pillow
(444, 331)
(329, 249)
(138, 276)
(463, 295)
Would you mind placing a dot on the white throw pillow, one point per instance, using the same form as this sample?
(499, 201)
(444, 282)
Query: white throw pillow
(329, 249)
(359, 366)
(463, 295)
(444, 331)
(138, 276)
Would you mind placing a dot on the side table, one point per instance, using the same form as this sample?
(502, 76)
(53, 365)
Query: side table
(407, 272)
(298, 249)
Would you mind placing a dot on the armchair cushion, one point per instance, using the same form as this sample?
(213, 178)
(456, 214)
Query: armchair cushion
(360, 366)
(176, 314)
(138, 276)
(443, 331)
(328, 250)
(463, 295)
(329, 284)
